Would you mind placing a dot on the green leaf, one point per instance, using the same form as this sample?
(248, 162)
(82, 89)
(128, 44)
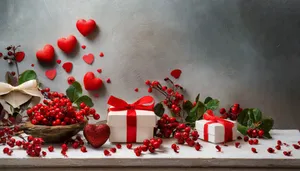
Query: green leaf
(10, 79)
(213, 104)
(26, 76)
(74, 91)
(243, 117)
(197, 98)
(200, 110)
(242, 129)
(267, 124)
(85, 99)
(187, 106)
(257, 115)
(267, 135)
(251, 118)
(207, 100)
(195, 113)
(159, 109)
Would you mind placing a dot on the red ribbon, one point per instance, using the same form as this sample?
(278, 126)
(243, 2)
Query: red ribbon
(144, 103)
(209, 116)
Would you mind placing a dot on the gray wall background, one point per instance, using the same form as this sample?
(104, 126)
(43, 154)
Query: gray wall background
(244, 51)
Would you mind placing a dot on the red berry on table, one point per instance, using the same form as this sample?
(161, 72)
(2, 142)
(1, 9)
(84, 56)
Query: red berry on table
(51, 148)
(119, 146)
(160, 141)
(278, 147)
(144, 148)
(197, 146)
(30, 138)
(218, 148)
(75, 145)
(246, 138)
(174, 146)
(279, 142)
(254, 133)
(106, 153)
(18, 143)
(146, 142)
(261, 133)
(156, 144)
(270, 150)
(58, 61)
(287, 153)
(5, 150)
(44, 153)
(151, 149)
(108, 80)
(101, 54)
(253, 150)
(129, 146)
(250, 142)
(255, 141)
(222, 110)
(64, 147)
(296, 146)
(83, 46)
(249, 132)
(136, 90)
(113, 150)
(299, 142)
(96, 116)
(237, 144)
(9, 152)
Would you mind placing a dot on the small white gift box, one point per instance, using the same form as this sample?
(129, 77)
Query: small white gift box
(215, 131)
(133, 123)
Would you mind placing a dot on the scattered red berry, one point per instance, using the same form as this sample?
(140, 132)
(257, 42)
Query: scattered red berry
(144, 148)
(286, 144)
(99, 70)
(149, 90)
(113, 150)
(136, 90)
(71, 80)
(253, 150)
(278, 147)
(197, 146)
(296, 146)
(271, 150)
(44, 153)
(218, 148)
(279, 142)
(246, 139)
(239, 138)
(83, 46)
(75, 145)
(51, 148)
(237, 144)
(129, 146)
(58, 61)
(101, 54)
(287, 153)
(250, 142)
(119, 146)
(106, 153)
(299, 142)
(261, 133)
(32, 65)
(108, 80)
(64, 147)
(83, 149)
(5, 150)
(222, 110)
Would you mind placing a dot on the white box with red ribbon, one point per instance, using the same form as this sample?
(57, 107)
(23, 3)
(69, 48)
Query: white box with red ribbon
(216, 130)
(131, 122)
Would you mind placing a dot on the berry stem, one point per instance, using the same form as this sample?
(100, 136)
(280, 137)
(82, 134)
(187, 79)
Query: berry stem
(14, 59)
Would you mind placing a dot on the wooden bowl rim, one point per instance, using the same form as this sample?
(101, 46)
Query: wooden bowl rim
(29, 124)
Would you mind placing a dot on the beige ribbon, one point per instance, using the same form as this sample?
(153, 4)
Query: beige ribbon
(20, 94)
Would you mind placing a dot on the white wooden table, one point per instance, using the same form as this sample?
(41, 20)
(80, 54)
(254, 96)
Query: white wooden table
(208, 158)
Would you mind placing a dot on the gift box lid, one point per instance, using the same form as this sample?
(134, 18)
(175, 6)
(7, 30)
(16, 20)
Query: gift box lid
(144, 118)
(214, 128)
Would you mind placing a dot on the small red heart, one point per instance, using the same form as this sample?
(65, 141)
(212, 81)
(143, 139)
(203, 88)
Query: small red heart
(46, 54)
(20, 56)
(51, 74)
(101, 54)
(176, 73)
(83, 46)
(99, 70)
(136, 90)
(85, 27)
(67, 66)
(32, 65)
(96, 135)
(108, 80)
(58, 61)
(67, 44)
(91, 82)
(89, 59)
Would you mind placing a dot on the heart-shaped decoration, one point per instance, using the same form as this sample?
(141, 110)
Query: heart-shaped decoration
(91, 82)
(176, 73)
(67, 44)
(85, 27)
(67, 66)
(96, 135)
(20, 56)
(89, 58)
(46, 54)
(51, 74)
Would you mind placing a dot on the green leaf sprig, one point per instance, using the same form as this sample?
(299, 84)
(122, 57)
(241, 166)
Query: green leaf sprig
(74, 93)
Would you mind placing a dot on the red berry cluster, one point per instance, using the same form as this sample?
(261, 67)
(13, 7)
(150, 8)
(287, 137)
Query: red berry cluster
(7, 133)
(232, 113)
(173, 98)
(148, 145)
(253, 141)
(34, 148)
(166, 126)
(58, 110)
(184, 134)
(254, 133)
(113, 150)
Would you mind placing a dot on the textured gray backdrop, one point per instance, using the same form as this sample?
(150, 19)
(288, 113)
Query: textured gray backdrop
(234, 50)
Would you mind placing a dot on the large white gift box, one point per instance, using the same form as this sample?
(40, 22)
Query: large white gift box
(215, 132)
(131, 122)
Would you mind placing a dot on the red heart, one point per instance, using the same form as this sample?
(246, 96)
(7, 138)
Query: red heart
(91, 82)
(46, 54)
(67, 44)
(67, 66)
(176, 73)
(20, 56)
(85, 27)
(89, 59)
(96, 135)
(51, 74)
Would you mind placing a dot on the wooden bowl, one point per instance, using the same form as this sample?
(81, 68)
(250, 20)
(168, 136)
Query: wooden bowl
(53, 134)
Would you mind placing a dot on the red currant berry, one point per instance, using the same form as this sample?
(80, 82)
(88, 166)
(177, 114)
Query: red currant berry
(237, 144)
(64, 147)
(181, 126)
(30, 138)
(106, 153)
(44, 153)
(174, 146)
(146, 142)
(270, 150)
(119, 146)
(96, 116)
(246, 139)
(148, 82)
(222, 110)
(156, 145)
(151, 149)
(279, 142)
(261, 133)
(255, 141)
(296, 146)
(144, 148)
(187, 129)
(75, 145)
(287, 153)
(177, 135)
(250, 142)
(254, 133)
(197, 146)
(149, 90)
(218, 148)
(71, 80)
(253, 150)
(92, 111)
(5, 150)
(82, 105)
(113, 150)
(129, 146)
(278, 147)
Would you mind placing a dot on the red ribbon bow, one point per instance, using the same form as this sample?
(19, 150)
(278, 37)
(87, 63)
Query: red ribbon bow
(144, 103)
(209, 116)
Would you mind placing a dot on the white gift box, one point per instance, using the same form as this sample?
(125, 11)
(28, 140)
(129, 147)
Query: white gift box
(216, 131)
(117, 121)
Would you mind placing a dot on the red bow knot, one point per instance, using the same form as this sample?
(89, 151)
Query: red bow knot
(144, 103)
(209, 116)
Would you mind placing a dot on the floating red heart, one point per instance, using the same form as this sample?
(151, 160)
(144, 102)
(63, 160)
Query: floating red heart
(46, 54)
(89, 59)
(96, 135)
(101, 54)
(83, 46)
(85, 27)
(51, 74)
(20, 56)
(136, 90)
(58, 61)
(91, 82)
(176, 73)
(67, 66)
(99, 70)
(67, 44)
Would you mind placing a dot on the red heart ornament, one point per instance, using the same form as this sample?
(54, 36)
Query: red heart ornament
(85, 27)
(67, 66)
(176, 73)
(91, 82)
(20, 56)
(51, 74)
(96, 135)
(89, 59)
(46, 54)
(67, 44)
